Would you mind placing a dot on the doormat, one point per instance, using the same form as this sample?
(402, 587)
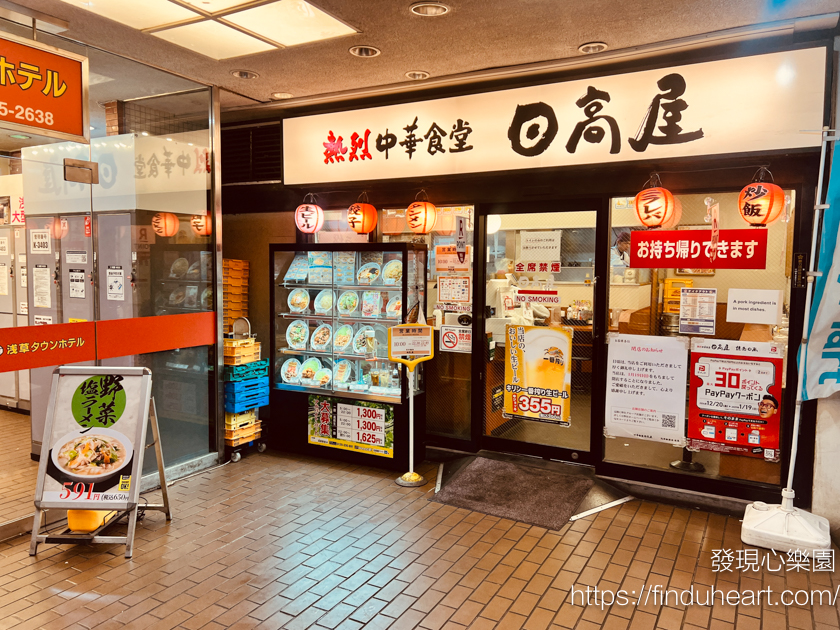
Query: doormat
(544, 498)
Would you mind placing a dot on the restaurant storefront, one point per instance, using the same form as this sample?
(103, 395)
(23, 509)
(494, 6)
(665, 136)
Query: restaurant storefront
(636, 242)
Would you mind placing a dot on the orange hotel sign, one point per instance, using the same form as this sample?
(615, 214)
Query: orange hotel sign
(43, 90)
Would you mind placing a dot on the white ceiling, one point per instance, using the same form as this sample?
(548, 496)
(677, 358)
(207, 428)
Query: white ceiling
(476, 35)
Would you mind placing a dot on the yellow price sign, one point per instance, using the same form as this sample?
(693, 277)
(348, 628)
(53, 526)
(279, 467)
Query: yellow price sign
(410, 344)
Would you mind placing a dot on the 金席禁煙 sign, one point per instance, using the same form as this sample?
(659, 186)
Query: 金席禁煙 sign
(653, 114)
(43, 89)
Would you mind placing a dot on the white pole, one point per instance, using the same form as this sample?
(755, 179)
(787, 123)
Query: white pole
(411, 479)
(411, 422)
(803, 346)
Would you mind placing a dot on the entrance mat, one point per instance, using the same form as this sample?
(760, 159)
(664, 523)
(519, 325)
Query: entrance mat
(536, 496)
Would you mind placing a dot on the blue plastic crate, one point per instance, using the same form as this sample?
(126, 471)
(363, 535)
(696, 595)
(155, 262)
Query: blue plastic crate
(244, 386)
(245, 404)
(236, 397)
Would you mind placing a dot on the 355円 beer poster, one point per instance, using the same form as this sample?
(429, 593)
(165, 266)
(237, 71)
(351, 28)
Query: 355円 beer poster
(538, 373)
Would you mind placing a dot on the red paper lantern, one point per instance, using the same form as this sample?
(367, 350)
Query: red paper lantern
(655, 207)
(59, 228)
(362, 217)
(676, 216)
(761, 203)
(421, 217)
(165, 224)
(309, 218)
(201, 224)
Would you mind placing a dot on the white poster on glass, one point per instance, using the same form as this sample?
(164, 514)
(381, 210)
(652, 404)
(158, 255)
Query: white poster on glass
(646, 388)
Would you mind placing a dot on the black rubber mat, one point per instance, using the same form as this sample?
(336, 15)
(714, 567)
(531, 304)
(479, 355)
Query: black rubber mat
(525, 493)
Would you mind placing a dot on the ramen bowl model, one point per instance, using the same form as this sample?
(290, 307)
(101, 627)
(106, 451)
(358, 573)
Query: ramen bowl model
(91, 455)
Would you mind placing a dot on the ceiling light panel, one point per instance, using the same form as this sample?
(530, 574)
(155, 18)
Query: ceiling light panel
(290, 22)
(214, 6)
(214, 40)
(139, 15)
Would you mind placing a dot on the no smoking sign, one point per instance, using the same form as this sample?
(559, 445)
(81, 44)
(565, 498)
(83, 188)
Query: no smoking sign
(449, 340)
(456, 339)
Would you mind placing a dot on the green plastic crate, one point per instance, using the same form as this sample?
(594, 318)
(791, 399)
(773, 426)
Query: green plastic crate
(255, 369)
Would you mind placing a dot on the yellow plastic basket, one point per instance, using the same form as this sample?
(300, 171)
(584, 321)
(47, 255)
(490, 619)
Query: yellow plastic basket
(240, 359)
(243, 440)
(239, 347)
(240, 420)
(246, 433)
(232, 263)
(238, 343)
(673, 286)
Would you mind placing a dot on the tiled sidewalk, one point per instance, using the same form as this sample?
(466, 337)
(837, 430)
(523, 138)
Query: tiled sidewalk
(279, 541)
(17, 470)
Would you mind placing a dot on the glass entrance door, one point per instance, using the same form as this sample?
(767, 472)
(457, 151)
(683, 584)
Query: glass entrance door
(541, 313)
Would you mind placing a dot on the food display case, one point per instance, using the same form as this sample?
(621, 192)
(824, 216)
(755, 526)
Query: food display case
(182, 279)
(334, 389)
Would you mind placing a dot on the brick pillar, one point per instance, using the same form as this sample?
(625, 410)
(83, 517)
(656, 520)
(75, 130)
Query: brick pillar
(114, 118)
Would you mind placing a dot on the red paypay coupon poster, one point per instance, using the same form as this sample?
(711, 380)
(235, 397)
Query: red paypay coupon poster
(735, 397)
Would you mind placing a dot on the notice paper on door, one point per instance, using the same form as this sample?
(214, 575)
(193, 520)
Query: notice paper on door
(754, 306)
(41, 280)
(646, 383)
(116, 283)
(4, 279)
(698, 308)
(77, 283)
(76, 257)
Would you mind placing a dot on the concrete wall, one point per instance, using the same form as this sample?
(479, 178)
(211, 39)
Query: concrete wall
(826, 501)
(247, 237)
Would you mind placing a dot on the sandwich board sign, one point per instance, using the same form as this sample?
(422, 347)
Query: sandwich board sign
(92, 454)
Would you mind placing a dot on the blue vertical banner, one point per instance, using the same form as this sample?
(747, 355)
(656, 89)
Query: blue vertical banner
(822, 369)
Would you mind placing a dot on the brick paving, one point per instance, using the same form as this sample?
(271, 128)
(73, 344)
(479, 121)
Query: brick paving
(17, 470)
(279, 541)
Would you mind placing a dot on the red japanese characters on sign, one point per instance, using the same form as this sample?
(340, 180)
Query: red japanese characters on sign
(18, 211)
(736, 249)
(543, 267)
(326, 419)
(42, 88)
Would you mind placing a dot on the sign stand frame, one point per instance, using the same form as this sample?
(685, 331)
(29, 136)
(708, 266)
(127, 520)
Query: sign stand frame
(411, 479)
(132, 508)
